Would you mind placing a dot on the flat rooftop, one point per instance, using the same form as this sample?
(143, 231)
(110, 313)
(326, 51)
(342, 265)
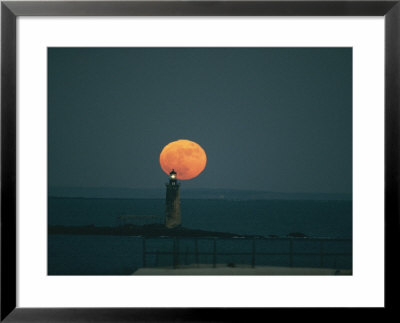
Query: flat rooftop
(195, 270)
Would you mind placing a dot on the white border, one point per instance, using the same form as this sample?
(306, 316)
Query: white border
(364, 288)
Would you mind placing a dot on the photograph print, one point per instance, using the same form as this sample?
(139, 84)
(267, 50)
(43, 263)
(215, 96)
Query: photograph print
(200, 161)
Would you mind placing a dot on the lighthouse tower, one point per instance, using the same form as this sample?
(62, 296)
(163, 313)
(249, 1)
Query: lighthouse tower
(172, 202)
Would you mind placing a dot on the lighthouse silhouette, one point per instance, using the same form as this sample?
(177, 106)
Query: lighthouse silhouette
(172, 202)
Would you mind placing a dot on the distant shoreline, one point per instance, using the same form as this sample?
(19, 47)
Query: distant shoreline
(191, 193)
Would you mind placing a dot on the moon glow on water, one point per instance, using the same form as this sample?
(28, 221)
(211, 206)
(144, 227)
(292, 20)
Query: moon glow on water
(186, 157)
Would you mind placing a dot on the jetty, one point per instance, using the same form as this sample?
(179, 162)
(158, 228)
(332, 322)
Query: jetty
(146, 231)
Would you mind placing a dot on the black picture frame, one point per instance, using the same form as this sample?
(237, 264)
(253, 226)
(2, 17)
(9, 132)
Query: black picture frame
(10, 10)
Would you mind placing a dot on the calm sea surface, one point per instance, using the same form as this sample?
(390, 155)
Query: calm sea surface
(114, 255)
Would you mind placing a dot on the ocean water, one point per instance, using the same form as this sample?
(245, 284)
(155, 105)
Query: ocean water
(115, 255)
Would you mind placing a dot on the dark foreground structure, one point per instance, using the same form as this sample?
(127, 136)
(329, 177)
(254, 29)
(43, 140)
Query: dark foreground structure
(246, 252)
(182, 247)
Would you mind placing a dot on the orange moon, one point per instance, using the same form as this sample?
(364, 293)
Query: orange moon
(186, 157)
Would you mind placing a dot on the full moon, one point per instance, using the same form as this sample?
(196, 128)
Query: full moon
(186, 157)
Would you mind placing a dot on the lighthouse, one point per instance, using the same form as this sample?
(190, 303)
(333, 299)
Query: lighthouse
(172, 202)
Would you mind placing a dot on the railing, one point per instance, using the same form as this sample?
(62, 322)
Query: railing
(253, 254)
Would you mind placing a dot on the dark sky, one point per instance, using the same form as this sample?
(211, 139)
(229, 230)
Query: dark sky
(276, 119)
